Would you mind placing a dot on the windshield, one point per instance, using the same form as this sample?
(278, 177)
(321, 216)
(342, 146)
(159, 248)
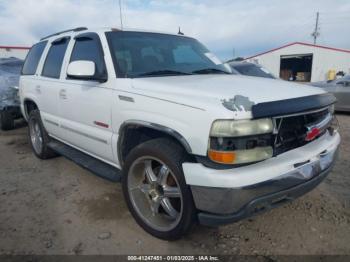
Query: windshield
(253, 70)
(140, 54)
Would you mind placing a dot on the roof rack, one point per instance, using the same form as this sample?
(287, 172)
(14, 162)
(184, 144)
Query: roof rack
(77, 29)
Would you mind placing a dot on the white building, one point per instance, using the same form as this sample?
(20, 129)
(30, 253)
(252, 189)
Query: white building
(13, 51)
(304, 62)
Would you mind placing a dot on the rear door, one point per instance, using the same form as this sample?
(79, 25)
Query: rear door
(85, 105)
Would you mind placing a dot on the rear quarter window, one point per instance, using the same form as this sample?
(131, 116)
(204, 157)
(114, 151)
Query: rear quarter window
(32, 60)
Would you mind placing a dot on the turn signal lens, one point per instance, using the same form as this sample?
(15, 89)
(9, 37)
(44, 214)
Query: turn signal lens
(222, 157)
(241, 156)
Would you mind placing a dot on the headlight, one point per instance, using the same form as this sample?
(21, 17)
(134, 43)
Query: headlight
(241, 156)
(231, 128)
(241, 141)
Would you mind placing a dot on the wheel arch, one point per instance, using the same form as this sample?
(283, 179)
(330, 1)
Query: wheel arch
(29, 105)
(150, 131)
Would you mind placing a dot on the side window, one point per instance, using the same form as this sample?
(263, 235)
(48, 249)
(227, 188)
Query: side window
(33, 58)
(89, 49)
(124, 60)
(54, 58)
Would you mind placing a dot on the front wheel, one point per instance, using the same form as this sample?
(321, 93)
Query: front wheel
(155, 189)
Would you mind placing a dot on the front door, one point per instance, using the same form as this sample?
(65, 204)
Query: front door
(85, 105)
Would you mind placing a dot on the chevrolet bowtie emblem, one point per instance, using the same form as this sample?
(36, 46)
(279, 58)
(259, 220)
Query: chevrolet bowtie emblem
(312, 134)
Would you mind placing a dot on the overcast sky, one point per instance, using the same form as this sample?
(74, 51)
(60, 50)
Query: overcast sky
(245, 26)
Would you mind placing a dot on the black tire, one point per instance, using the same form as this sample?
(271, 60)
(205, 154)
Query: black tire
(45, 152)
(6, 120)
(172, 155)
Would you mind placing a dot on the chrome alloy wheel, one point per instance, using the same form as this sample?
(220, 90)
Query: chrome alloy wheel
(155, 193)
(36, 136)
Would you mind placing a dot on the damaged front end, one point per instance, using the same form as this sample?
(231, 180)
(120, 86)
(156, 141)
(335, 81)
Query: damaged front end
(276, 127)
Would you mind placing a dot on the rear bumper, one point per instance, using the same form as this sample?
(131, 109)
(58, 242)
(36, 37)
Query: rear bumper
(225, 196)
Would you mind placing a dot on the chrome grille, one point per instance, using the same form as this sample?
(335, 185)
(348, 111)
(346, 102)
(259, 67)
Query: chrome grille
(291, 130)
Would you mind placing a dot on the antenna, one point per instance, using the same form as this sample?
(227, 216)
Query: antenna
(120, 14)
(180, 33)
(316, 33)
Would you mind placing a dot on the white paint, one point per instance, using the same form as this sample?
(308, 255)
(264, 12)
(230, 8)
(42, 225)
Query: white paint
(199, 175)
(323, 60)
(81, 68)
(186, 104)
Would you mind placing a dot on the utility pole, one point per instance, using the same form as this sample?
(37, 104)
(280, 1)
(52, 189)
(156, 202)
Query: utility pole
(316, 33)
(120, 14)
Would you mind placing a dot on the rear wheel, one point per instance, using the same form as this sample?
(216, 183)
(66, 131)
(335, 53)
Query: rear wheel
(6, 120)
(155, 189)
(38, 136)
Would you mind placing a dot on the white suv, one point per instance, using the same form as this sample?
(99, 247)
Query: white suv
(189, 141)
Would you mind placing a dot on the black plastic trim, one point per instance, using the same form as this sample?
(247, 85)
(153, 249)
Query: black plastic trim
(154, 126)
(264, 203)
(77, 29)
(292, 106)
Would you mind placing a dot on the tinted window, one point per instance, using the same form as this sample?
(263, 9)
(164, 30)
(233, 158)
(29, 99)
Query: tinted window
(141, 54)
(89, 49)
(54, 59)
(33, 58)
(253, 70)
(185, 53)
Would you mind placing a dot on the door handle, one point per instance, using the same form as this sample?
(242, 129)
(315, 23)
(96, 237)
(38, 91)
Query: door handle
(62, 94)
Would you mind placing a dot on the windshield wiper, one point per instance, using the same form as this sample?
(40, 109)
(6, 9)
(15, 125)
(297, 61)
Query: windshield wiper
(163, 72)
(210, 71)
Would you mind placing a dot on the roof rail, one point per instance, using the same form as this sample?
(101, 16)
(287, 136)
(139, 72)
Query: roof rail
(77, 29)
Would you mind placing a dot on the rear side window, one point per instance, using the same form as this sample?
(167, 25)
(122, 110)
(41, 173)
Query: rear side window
(33, 58)
(89, 49)
(54, 58)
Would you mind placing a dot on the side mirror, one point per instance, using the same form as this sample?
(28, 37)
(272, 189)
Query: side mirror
(85, 70)
(81, 69)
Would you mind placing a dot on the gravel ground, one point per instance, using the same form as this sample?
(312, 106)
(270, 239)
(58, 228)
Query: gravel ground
(56, 207)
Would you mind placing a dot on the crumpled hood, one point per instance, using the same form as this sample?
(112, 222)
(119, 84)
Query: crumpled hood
(202, 90)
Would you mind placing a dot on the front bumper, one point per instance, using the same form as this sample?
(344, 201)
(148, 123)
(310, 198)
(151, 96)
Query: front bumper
(245, 195)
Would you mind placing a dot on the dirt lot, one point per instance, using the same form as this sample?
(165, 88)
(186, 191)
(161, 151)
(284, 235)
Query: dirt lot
(56, 207)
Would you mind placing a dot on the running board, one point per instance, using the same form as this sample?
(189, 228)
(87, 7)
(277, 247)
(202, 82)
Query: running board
(90, 163)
